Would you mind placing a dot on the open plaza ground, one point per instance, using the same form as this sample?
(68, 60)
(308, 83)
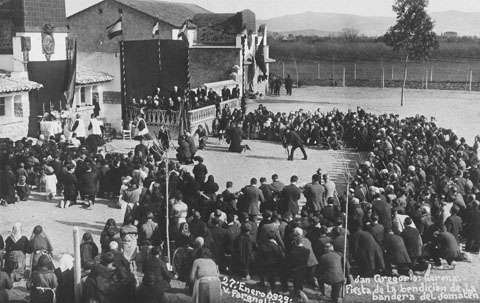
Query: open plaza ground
(452, 109)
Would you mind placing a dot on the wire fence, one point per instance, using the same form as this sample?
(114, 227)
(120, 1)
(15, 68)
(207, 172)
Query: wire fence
(428, 75)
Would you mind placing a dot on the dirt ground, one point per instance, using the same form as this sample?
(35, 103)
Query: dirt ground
(457, 110)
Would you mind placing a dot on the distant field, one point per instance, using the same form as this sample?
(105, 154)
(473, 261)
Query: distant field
(322, 72)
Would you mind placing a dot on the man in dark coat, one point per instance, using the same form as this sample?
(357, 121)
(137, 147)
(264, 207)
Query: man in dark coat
(225, 93)
(292, 138)
(141, 149)
(296, 265)
(367, 253)
(70, 187)
(270, 258)
(384, 212)
(413, 242)
(330, 267)
(315, 194)
(250, 199)
(235, 137)
(184, 153)
(454, 223)
(446, 247)
(221, 239)
(7, 185)
(290, 196)
(396, 254)
(288, 85)
(267, 190)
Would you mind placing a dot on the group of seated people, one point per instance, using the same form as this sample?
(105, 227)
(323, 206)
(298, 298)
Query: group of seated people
(412, 204)
(197, 98)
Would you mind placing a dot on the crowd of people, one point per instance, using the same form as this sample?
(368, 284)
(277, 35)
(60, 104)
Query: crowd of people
(197, 98)
(412, 204)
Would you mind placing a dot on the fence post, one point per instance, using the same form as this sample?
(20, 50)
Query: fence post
(355, 72)
(431, 74)
(383, 77)
(78, 269)
(343, 84)
(296, 70)
(318, 70)
(283, 69)
(393, 76)
(471, 75)
(426, 78)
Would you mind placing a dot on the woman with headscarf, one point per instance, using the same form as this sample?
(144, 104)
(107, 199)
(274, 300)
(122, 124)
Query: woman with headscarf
(39, 245)
(43, 282)
(243, 251)
(15, 250)
(104, 236)
(64, 273)
(205, 279)
(88, 252)
(184, 254)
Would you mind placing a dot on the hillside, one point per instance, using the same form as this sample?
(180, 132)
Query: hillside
(324, 24)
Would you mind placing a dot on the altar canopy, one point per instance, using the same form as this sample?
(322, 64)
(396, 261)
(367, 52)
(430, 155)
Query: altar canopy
(51, 74)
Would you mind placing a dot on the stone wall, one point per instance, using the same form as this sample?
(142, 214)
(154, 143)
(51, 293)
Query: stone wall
(212, 64)
(89, 26)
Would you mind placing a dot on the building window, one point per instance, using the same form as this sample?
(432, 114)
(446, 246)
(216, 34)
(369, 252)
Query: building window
(82, 95)
(100, 11)
(18, 106)
(2, 106)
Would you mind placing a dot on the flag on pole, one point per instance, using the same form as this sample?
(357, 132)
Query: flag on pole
(115, 29)
(183, 33)
(260, 58)
(155, 29)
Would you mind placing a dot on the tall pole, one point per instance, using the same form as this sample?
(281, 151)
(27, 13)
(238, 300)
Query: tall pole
(404, 80)
(383, 77)
(318, 70)
(426, 79)
(77, 278)
(355, 72)
(393, 75)
(283, 69)
(471, 76)
(345, 252)
(343, 78)
(296, 70)
(167, 205)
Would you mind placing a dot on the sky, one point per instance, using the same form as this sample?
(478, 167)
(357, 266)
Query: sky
(266, 9)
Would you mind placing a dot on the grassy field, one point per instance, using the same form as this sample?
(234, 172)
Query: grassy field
(317, 72)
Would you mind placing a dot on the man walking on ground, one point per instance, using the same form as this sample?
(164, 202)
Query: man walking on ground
(288, 85)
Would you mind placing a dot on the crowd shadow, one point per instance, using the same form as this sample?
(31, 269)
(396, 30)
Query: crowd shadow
(86, 227)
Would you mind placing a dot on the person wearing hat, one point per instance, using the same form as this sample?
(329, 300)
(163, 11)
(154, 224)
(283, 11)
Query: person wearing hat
(244, 247)
(294, 139)
(269, 258)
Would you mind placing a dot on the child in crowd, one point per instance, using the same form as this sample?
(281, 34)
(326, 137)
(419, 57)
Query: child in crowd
(22, 188)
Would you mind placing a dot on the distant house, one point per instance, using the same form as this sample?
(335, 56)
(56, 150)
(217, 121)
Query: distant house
(450, 34)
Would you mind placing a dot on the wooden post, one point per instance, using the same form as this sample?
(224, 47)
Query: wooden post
(283, 69)
(355, 71)
(343, 83)
(471, 76)
(431, 74)
(167, 204)
(318, 70)
(77, 272)
(404, 80)
(393, 75)
(426, 78)
(296, 70)
(383, 77)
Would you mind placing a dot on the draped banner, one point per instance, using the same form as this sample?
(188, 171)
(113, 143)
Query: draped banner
(52, 75)
(142, 70)
(174, 64)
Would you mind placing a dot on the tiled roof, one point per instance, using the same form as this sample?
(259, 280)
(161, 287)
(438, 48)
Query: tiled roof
(170, 12)
(12, 85)
(87, 76)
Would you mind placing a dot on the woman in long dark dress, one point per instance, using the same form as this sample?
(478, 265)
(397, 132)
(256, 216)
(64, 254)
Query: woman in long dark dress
(39, 245)
(15, 250)
(64, 273)
(88, 252)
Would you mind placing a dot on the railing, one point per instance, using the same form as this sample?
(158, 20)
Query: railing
(206, 114)
(155, 117)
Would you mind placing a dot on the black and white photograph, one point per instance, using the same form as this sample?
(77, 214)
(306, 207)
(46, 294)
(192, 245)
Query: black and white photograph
(252, 151)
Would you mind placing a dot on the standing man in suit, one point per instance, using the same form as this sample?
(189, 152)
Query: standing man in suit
(267, 190)
(288, 85)
(225, 93)
(236, 92)
(252, 197)
(315, 194)
(293, 138)
(290, 196)
(141, 149)
(330, 268)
